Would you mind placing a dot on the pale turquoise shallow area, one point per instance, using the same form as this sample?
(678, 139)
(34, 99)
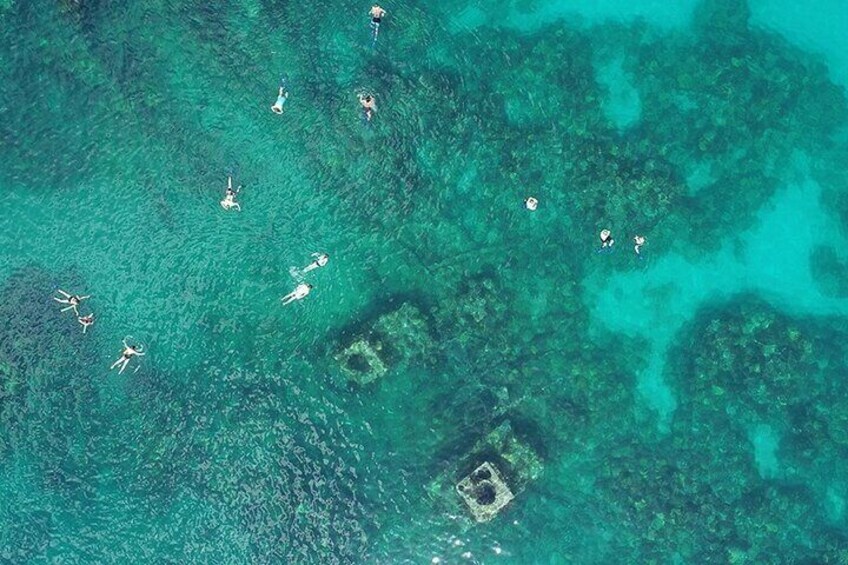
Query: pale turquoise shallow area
(689, 406)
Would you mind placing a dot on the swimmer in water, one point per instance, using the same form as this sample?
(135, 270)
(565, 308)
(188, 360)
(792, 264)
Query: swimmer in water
(229, 200)
(73, 300)
(282, 96)
(376, 14)
(299, 293)
(606, 240)
(369, 104)
(531, 203)
(130, 351)
(638, 241)
(321, 259)
(86, 321)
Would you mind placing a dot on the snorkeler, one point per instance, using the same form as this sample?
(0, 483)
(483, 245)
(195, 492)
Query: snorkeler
(639, 241)
(130, 351)
(283, 94)
(369, 104)
(229, 200)
(321, 259)
(72, 299)
(531, 203)
(606, 240)
(376, 14)
(299, 293)
(86, 321)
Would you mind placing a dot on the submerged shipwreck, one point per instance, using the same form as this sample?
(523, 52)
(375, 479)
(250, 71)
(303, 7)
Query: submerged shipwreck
(493, 472)
(393, 339)
(497, 468)
(484, 492)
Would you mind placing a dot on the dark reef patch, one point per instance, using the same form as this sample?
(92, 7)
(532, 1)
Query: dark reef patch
(45, 375)
(741, 365)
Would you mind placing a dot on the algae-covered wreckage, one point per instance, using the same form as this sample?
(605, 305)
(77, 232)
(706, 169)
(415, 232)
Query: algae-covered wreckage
(488, 477)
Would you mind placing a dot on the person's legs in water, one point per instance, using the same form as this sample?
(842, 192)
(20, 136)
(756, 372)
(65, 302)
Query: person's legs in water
(229, 204)
(65, 296)
(277, 108)
(124, 365)
(73, 307)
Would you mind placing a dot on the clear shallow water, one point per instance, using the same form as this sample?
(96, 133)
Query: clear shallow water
(686, 407)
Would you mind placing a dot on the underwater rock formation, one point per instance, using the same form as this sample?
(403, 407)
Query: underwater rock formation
(392, 341)
(740, 366)
(750, 360)
(361, 361)
(496, 469)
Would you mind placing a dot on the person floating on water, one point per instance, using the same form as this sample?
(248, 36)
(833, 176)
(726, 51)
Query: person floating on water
(369, 104)
(282, 96)
(639, 241)
(321, 259)
(376, 14)
(531, 203)
(130, 351)
(73, 300)
(229, 200)
(299, 293)
(606, 240)
(86, 321)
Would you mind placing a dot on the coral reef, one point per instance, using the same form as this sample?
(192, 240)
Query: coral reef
(257, 466)
(702, 490)
(751, 360)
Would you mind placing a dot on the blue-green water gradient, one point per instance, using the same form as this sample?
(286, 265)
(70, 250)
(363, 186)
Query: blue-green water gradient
(686, 406)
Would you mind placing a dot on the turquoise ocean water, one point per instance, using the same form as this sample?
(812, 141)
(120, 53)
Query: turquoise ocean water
(690, 406)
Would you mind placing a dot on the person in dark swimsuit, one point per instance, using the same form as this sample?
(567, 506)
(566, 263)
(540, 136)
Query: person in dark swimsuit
(229, 200)
(377, 14)
(368, 104)
(321, 259)
(129, 352)
(73, 300)
(86, 321)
